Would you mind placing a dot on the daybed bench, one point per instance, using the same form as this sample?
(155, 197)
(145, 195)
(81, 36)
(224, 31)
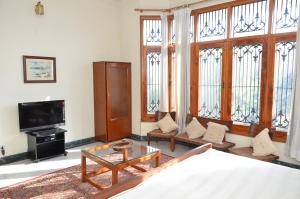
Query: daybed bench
(254, 130)
(183, 137)
(158, 134)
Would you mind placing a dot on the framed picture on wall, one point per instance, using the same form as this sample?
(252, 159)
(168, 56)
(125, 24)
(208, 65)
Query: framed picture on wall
(39, 69)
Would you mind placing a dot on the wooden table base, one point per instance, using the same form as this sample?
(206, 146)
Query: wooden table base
(85, 176)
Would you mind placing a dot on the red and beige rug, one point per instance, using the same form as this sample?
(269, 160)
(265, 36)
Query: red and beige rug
(66, 183)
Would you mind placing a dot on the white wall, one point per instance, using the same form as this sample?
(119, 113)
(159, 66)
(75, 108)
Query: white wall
(76, 32)
(130, 48)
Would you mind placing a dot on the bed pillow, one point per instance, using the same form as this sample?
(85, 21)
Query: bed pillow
(194, 129)
(167, 124)
(215, 132)
(263, 145)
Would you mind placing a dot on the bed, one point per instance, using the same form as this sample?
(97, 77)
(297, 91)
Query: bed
(208, 173)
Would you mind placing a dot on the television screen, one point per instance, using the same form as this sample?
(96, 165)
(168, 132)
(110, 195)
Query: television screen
(40, 115)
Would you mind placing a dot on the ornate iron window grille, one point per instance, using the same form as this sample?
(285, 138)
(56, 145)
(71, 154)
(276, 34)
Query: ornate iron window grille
(210, 83)
(152, 32)
(286, 15)
(153, 81)
(283, 85)
(247, 60)
(249, 19)
(212, 25)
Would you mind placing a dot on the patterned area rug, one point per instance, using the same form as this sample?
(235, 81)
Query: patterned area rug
(66, 183)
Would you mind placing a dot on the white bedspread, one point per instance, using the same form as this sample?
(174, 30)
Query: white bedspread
(219, 175)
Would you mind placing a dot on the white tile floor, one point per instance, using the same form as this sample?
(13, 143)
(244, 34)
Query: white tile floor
(26, 169)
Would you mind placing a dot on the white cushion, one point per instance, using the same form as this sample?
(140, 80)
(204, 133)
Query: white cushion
(215, 132)
(263, 145)
(167, 124)
(194, 129)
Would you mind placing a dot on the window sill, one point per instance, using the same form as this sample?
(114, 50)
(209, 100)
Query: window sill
(279, 136)
(148, 118)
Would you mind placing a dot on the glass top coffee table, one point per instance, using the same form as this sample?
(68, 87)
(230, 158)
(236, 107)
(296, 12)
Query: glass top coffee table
(115, 158)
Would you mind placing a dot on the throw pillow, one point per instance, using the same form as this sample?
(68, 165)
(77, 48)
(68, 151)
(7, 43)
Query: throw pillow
(215, 132)
(194, 129)
(167, 124)
(263, 145)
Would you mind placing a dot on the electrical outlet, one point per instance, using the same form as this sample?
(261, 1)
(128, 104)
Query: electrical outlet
(2, 151)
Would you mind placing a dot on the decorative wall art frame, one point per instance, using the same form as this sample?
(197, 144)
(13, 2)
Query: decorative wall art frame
(38, 69)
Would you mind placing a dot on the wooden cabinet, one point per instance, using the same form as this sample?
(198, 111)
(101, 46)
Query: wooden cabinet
(112, 100)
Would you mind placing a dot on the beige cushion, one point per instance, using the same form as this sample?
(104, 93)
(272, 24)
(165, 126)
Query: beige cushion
(167, 124)
(263, 145)
(194, 129)
(215, 132)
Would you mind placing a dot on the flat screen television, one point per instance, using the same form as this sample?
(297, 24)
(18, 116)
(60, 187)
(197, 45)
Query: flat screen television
(41, 115)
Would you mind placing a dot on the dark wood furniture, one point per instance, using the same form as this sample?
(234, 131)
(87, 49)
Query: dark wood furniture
(112, 100)
(183, 137)
(103, 155)
(157, 133)
(116, 189)
(254, 130)
(45, 144)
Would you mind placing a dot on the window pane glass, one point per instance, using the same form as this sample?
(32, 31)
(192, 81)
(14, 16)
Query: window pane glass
(247, 60)
(286, 15)
(153, 81)
(152, 32)
(212, 25)
(283, 83)
(250, 19)
(210, 82)
(192, 29)
(173, 37)
(173, 32)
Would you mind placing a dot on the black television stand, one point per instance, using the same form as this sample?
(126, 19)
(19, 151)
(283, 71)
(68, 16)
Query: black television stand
(46, 143)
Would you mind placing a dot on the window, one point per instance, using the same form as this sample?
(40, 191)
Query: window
(244, 56)
(286, 16)
(246, 83)
(151, 68)
(210, 82)
(212, 25)
(153, 81)
(250, 19)
(152, 32)
(151, 63)
(242, 63)
(283, 83)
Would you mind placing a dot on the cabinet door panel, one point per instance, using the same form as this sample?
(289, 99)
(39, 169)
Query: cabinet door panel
(118, 100)
(119, 92)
